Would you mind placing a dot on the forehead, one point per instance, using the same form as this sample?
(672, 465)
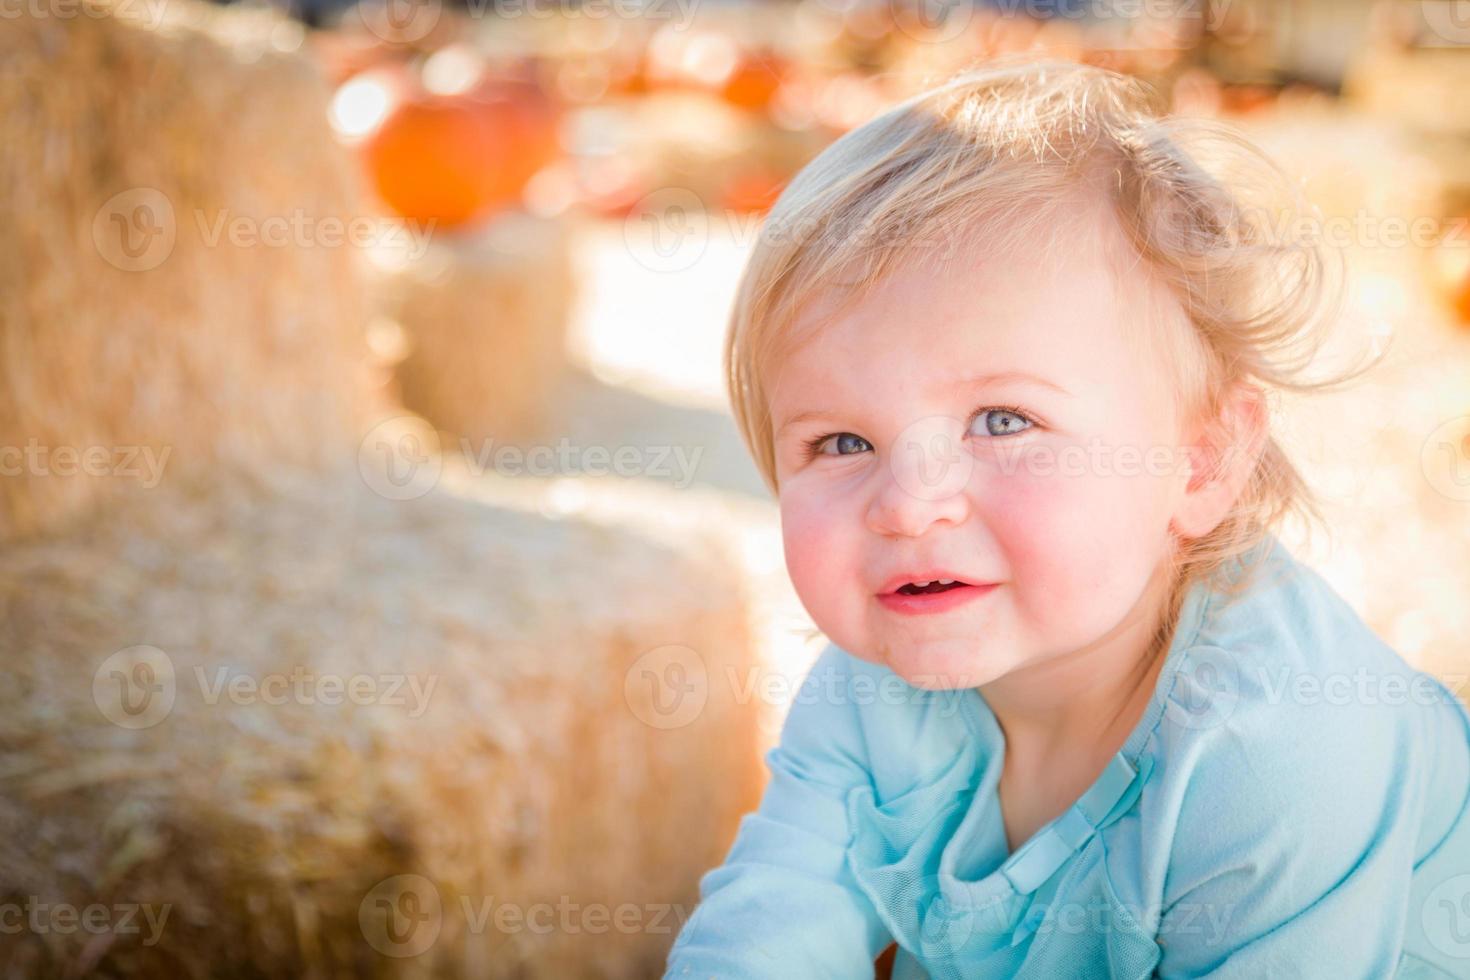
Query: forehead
(1057, 303)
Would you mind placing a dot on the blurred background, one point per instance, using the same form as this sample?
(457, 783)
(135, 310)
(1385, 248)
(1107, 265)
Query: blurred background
(384, 587)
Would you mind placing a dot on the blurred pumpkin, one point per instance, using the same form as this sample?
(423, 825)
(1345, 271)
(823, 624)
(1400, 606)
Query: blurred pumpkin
(1244, 99)
(457, 159)
(754, 81)
(752, 191)
(1447, 267)
(1462, 301)
(714, 61)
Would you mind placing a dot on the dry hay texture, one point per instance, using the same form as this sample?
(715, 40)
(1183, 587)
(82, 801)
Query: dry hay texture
(485, 317)
(537, 770)
(537, 774)
(228, 356)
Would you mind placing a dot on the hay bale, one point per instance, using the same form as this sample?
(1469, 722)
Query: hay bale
(485, 316)
(157, 300)
(539, 770)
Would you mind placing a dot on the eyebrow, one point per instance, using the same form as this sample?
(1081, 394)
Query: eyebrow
(1010, 377)
(977, 381)
(800, 417)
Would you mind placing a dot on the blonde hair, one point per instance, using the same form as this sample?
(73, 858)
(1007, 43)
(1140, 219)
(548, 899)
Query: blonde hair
(1000, 146)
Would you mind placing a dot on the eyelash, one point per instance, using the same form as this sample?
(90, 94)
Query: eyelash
(812, 446)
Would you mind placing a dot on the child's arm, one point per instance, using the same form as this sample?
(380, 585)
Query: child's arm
(784, 903)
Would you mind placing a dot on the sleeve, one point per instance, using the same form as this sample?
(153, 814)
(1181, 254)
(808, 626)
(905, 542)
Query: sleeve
(1294, 847)
(784, 903)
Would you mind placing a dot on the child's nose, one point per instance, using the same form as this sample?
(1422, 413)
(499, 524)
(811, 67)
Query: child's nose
(924, 483)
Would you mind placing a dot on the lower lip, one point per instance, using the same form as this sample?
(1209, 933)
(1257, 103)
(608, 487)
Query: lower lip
(933, 602)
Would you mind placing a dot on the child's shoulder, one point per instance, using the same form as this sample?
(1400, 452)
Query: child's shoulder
(1282, 714)
(1289, 658)
(1302, 771)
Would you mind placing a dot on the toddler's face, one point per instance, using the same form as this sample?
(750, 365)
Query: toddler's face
(988, 423)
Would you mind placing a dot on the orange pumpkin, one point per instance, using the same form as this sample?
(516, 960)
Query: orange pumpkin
(752, 191)
(1462, 301)
(456, 159)
(753, 83)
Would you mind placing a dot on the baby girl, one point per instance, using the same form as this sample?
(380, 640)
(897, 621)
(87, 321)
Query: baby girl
(1004, 355)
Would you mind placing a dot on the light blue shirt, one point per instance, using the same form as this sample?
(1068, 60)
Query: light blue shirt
(1294, 802)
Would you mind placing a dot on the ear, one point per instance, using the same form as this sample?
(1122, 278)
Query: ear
(1223, 454)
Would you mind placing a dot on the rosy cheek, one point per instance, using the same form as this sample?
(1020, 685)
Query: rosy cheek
(812, 539)
(1074, 539)
(1033, 515)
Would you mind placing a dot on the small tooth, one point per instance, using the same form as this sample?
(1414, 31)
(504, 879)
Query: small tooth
(946, 581)
(922, 584)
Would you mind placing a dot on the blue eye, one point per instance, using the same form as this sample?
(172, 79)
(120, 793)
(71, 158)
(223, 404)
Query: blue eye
(843, 440)
(1003, 421)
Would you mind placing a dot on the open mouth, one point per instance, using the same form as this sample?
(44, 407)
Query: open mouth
(924, 588)
(933, 597)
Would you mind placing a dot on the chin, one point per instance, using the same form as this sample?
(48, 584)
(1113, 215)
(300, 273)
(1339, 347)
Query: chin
(940, 666)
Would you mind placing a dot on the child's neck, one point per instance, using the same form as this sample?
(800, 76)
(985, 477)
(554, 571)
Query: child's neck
(1082, 705)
